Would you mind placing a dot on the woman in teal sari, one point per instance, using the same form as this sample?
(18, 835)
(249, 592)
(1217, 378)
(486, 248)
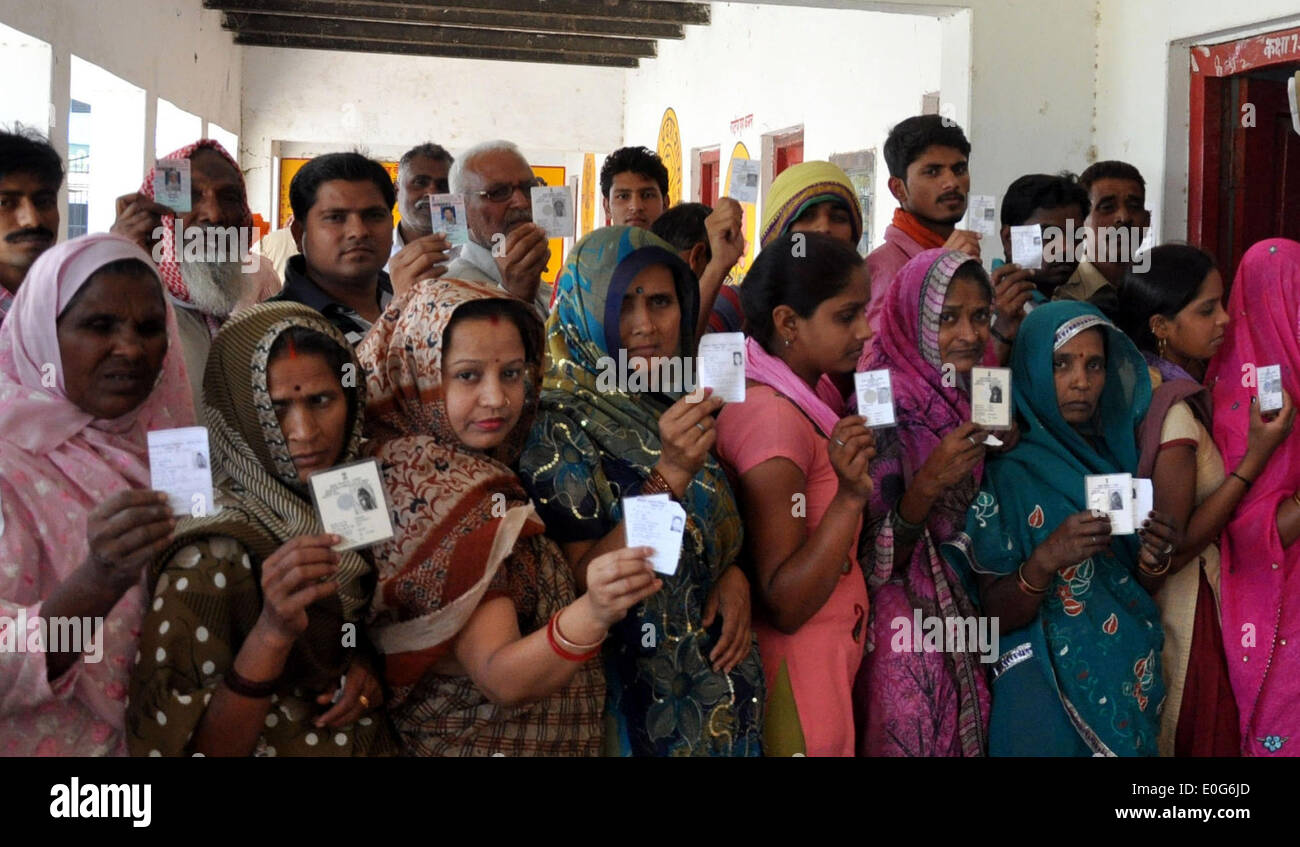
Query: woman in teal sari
(682, 668)
(1079, 669)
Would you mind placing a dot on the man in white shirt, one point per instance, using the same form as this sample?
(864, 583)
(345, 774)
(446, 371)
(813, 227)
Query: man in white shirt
(418, 252)
(506, 248)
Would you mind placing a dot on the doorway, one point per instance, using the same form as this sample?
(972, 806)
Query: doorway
(1244, 153)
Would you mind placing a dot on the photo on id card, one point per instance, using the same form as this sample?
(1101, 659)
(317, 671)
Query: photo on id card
(1112, 494)
(352, 504)
(990, 400)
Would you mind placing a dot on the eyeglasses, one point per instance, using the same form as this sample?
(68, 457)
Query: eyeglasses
(502, 193)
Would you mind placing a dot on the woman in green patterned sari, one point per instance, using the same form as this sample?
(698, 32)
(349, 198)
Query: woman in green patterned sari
(682, 667)
(1079, 672)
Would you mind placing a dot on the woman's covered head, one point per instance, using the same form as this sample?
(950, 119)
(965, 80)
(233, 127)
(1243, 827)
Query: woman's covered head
(1079, 372)
(805, 296)
(488, 348)
(112, 338)
(314, 401)
(965, 317)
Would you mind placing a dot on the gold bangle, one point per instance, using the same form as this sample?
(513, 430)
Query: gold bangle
(1159, 571)
(1026, 586)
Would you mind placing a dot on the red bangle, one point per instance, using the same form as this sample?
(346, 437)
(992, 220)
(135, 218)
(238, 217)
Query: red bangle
(559, 650)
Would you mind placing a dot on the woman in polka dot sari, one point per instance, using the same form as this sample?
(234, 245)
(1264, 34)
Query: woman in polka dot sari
(251, 643)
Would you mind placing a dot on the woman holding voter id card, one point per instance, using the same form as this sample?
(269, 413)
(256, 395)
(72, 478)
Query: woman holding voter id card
(1174, 313)
(251, 645)
(89, 362)
(934, 329)
(490, 649)
(1260, 557)
(1079, 673)
(801, 461)
(684, 673)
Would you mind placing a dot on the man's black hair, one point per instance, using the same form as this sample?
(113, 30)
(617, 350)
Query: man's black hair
(912, 137)
(25, 151)
(1111, 169)
(1042, 191)
(683, 226)
(637, 160)
(352, 167)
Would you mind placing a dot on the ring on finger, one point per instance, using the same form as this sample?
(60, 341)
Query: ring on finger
(837, 441)
(972, 440)
(699, 425)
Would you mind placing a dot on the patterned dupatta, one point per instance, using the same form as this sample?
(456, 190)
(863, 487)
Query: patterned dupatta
(594, 443)
(926, 410)
(260, 501)
(1097, 637)
(466, 532)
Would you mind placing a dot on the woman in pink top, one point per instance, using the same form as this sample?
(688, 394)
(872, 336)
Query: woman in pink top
(803, 485)
(89, 363)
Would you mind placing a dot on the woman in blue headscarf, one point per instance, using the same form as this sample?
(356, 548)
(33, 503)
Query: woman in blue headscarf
(1079, 668)
(682, 668)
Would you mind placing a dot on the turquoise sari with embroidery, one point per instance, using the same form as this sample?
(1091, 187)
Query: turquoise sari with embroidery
(1083, 678)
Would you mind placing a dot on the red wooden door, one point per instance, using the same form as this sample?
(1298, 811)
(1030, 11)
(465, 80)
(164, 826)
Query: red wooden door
(1244, 155)
(709, 177)
(787, 154)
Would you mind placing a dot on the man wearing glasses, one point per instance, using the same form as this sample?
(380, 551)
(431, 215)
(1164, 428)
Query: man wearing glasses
(506, 248)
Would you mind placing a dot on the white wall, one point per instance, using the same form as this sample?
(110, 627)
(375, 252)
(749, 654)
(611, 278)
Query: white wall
(170, 48)
(305, 102)
(174, 49)
(27, 59)
(1143, 82)
(1017, 75)
(846, 76)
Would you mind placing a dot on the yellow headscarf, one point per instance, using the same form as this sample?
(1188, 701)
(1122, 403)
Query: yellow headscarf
(801, 186)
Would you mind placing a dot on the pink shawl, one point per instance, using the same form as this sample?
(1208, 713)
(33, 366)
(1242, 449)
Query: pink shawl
(56, 464)
(824, 407)
(1260, 585)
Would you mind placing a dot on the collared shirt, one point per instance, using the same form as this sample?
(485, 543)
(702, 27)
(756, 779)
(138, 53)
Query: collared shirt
(883, 264)
(398, 243)
(1087, 284)
(476, 264)
(6, 303)
(298, 288)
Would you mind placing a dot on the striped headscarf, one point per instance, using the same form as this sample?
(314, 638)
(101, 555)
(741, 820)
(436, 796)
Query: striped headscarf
(804, 185)
(261, 502)
(168, 267)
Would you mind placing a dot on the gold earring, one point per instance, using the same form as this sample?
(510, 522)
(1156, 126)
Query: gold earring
(1161, 345)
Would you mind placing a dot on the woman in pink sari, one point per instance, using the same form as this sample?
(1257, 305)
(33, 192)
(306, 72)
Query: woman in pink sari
(934, 327)
(89, 363)
(1260, 581)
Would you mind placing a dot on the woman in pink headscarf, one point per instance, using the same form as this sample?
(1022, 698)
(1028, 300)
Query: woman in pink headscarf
(934, 328)
(1260, 581)
(88, 365)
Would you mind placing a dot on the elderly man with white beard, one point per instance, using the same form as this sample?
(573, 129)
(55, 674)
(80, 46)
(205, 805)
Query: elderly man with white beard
(208, 273)
(506, 248)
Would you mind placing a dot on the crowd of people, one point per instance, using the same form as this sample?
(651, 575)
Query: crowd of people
(507, 614)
